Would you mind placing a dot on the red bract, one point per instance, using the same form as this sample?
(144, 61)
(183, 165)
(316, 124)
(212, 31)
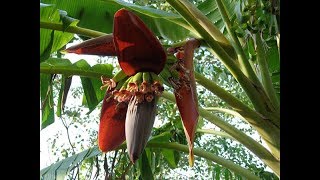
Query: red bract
(189, 115)
(185, 93)
(137, 48)
(101, 46)
(112, 123)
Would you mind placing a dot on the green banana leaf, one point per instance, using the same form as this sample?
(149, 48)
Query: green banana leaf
(50, 40)
(60, 169)
(98, 15)
(46, 98)
(91, 86)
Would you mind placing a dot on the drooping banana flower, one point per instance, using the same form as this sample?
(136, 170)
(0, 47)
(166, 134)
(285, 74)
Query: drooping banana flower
(129, 107)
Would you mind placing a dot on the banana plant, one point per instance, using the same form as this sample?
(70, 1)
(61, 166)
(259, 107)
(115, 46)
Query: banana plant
(243, 35)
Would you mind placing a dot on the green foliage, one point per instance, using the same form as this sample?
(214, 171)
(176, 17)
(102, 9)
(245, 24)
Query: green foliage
(60, 169)
(80, 68)
(167, 25)
(46, 99)
(253, 19)
(144, 165)
(50, 40)
(91, 86)
(63, 93)
(210, 9)
(172, 157)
